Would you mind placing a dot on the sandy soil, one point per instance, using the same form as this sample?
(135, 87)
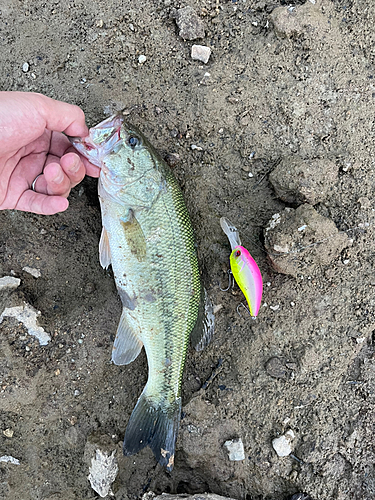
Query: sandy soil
(280, 83)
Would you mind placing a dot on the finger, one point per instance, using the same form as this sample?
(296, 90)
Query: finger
(54, 181)
(73, 168)
(62, 117)
(59, 144)
(41, 203)
(91, 170)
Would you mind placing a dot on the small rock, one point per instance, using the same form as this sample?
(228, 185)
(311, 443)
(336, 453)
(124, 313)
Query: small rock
(9, 459)
(25, 67)
(301, 496)
(103, 472)
(27, 315)
(33, 271)
(72, 435)
(90, 287)
(200, 53)
(276, 368)
(189, 23)
(198, 496)
(9, 283)
(298, 252)
(8, 433)
(282, 444)
(142, 59)
(173, 159)
(235, 449)
(303, 181)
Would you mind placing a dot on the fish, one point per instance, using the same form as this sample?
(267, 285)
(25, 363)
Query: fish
(147, 238)
(244, 268)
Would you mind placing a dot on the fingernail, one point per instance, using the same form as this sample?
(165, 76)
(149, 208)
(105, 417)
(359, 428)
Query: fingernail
(75, 166)
(59, 178)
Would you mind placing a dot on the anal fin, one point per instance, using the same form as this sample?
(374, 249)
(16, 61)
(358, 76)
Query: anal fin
(127, 345)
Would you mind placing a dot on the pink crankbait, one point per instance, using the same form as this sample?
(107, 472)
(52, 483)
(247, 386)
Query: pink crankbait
(244, 268)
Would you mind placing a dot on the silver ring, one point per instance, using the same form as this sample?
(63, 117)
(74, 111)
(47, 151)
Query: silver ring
(34, 182)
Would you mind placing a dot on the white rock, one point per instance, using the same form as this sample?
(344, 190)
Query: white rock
(25, 67)
(33, 271)
(103, 472)
(142, 59)
(201, 53)
(282, 444)
(9, 459)
(9, 283)
(235, 449)
(27, 315)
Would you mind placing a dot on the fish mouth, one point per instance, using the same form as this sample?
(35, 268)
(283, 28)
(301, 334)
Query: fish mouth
(100, 139)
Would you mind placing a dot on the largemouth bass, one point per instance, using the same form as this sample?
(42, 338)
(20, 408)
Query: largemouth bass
(147, 237)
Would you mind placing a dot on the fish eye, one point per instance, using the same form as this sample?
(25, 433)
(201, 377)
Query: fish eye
(238, 253)
(133, 141)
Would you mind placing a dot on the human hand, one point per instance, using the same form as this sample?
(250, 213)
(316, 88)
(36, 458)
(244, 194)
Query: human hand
(33, 148)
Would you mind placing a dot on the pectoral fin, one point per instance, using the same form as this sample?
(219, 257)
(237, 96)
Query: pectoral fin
(104, 250)
(134, 236)
(127, 345)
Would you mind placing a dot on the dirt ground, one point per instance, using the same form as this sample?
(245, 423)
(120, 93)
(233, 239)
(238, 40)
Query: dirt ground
(282, 81)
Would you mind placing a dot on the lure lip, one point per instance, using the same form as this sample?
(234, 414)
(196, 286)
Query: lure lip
(231, 231)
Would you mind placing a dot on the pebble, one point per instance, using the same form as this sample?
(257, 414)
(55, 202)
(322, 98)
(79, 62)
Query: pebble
(235, 449)
(33, 271)
(8, 433)
(282, 444)
(9, 283)
(142, 59)
(276, 368)
(9, 459)
(189, 23)
(200, 53)
(103, 472)
(25, 67)
(27, 315)
(173, 159)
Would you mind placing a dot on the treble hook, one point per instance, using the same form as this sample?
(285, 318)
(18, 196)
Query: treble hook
(246, 309)
(230, 282)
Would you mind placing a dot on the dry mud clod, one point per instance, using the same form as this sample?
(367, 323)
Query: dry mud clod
(300, 240)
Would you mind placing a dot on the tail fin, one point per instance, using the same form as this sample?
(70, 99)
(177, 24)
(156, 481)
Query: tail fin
(154, 424)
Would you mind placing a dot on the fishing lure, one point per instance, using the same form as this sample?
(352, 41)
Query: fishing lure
(244, 268)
